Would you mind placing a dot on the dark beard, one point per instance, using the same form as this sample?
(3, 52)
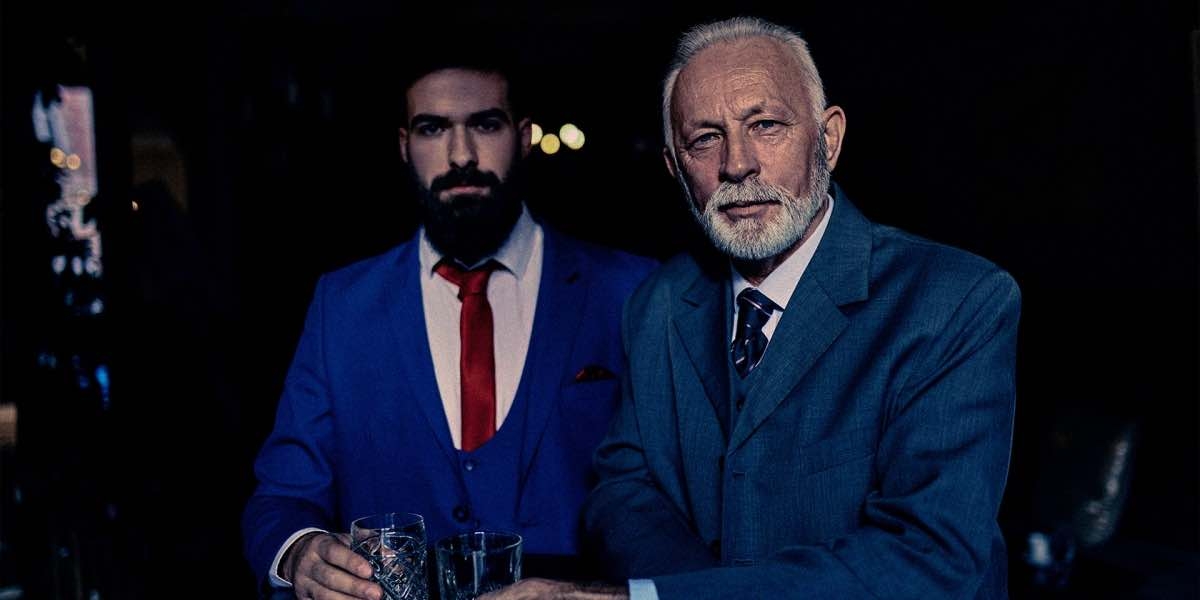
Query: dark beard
(468, 227)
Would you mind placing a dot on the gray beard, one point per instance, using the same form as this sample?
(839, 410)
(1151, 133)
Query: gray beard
(751, 240)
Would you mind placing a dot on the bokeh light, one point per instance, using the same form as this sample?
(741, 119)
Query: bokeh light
(550, 143)
(572, 137)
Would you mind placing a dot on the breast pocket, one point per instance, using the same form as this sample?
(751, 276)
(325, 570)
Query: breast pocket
(841, 448)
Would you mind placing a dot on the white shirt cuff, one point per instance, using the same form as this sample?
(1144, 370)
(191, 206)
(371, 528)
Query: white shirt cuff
(273, 574)
(642, 589)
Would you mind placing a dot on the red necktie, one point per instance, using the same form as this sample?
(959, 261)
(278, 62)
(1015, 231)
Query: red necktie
(477, 360)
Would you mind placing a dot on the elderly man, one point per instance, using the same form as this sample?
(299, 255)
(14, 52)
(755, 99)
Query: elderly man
(824, 408)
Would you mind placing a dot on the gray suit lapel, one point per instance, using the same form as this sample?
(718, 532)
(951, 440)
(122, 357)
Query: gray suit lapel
(702, 394)
(700, 328)
(809, 326)
(837, 276)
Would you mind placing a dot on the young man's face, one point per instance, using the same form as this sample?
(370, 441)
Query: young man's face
(459, 135)
(462, 145)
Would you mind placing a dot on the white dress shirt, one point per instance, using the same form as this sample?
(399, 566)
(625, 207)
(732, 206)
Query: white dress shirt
(779, 285)
(512, 293)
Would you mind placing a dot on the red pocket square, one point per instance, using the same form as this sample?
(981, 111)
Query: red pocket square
(593, 373)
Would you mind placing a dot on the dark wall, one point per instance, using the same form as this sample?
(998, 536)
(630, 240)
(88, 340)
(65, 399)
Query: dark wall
(1056, 139)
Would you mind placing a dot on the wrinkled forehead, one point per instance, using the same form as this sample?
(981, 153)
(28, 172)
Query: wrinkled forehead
(761, 64)
(457, 93)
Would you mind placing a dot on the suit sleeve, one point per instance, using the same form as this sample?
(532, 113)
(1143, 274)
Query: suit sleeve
(640, 533)
(929, 529)
(295, 476)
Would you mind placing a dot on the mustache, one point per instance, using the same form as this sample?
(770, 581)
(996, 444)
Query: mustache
(470, 176)
(747, 191)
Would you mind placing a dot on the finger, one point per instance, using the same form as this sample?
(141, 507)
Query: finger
(337, 579)
(336, 553)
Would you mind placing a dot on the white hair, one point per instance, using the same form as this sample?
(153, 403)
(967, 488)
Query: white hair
(739, 28)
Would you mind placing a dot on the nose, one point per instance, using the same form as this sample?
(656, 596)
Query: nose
(739, 161)
(462, 148)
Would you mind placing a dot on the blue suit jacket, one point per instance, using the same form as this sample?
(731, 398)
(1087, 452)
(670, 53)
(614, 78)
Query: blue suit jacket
(361, 429)
(872, 452)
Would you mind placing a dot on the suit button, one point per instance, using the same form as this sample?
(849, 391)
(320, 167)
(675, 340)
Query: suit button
(461, 513)
(715, 547)
(470, 464)
(741, 402)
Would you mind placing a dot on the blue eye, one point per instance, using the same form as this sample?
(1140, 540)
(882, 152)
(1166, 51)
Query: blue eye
(703, 140)
(766, 125)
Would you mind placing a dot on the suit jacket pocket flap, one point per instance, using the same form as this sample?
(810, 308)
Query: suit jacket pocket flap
(841, 448)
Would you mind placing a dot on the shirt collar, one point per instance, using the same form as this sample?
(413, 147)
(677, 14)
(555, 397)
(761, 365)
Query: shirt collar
(514, 254)
(779, 285)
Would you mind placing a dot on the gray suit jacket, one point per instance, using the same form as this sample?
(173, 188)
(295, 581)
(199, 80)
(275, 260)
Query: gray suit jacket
(872, 451)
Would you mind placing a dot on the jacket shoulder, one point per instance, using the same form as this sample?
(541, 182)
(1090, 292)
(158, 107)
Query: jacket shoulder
(368, 271)
(935, 279)
(894, 250)
(606, 259)
(673, 277)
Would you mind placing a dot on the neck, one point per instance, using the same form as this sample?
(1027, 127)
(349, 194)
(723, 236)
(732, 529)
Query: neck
(756, 271)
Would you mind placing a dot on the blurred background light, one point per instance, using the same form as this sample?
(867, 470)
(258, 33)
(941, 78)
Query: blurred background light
(572, 137)
(550, 143)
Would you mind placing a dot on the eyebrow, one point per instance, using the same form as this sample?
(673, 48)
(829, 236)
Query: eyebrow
(472, 119)
(757, 109)
(424, 118)
(487, 115)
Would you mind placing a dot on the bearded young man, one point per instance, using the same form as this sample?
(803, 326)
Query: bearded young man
(467, 374)
(824, 408)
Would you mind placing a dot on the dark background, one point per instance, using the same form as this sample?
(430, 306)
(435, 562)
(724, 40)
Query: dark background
(1056, 139)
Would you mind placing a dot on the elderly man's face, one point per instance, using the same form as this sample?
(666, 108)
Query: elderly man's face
(462, 145)
(752, 157)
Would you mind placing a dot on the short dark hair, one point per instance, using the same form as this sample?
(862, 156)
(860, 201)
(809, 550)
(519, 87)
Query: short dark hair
(480, 55)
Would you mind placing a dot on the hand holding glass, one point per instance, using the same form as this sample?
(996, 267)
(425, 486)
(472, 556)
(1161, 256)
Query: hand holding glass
(394, 544)
(472, 564)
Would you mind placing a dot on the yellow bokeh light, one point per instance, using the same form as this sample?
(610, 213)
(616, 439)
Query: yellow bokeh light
(571, 136)
(550, 143)
(73, 161)
(567, 133)
(58, 157)
(135, 206)
(536, 134)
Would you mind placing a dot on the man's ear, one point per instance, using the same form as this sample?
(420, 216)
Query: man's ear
(834, 120)
(402, 135)
(525, 130)
(669, 159)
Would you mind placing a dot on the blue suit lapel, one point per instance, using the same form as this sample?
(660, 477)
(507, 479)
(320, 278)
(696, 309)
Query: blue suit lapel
(702, 392)
(414, 375)
(701, 329)
(836, 276)
(562, 296)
